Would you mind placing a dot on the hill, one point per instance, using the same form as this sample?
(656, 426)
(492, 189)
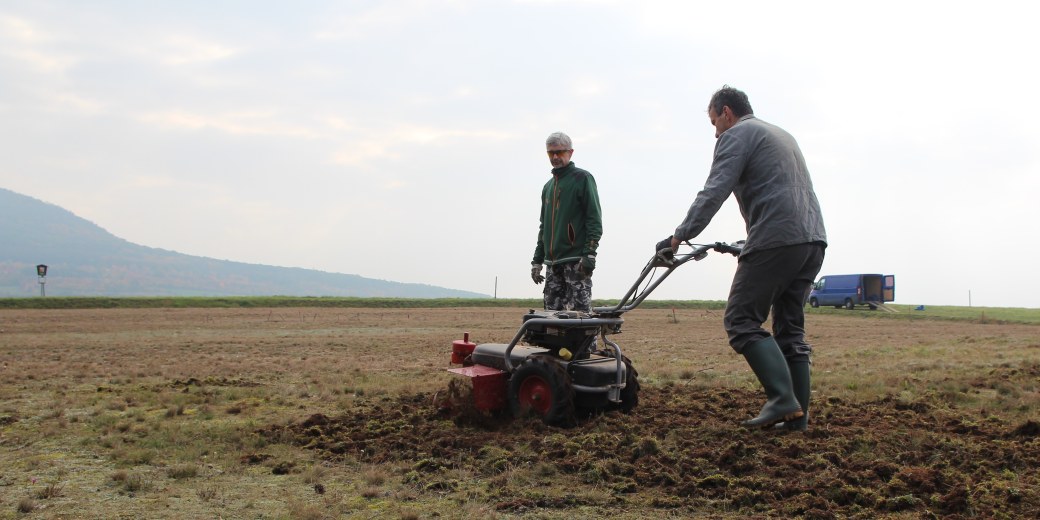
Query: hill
(86, 260)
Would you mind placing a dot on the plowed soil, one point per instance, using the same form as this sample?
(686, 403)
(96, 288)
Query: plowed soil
(340, 417)
(681, 452)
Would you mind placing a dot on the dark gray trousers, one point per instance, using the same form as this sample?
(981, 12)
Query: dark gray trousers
(776, 280)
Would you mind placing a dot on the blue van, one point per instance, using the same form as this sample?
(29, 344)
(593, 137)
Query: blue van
(850, 290)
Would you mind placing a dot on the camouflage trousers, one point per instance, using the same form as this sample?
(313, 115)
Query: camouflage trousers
(567, 288)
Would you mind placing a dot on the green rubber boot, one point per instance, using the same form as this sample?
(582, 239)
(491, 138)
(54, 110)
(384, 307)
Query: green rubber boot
(800, 383)
(770, 368)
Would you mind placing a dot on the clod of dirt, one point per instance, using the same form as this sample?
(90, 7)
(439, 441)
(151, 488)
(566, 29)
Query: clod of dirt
(283, 468)
(1027, 429)
(254, 458)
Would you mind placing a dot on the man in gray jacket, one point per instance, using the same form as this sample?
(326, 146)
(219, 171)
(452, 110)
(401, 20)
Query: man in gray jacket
(763, 167)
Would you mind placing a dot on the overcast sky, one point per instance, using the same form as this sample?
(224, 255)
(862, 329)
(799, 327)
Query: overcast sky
(404, 140)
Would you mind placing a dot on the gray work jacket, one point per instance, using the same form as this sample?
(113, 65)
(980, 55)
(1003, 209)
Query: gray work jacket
(762, 166)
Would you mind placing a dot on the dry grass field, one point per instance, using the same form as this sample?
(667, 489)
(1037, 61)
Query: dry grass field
(311, 413)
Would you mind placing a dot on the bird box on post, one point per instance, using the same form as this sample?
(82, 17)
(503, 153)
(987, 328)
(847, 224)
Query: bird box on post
(41, 271)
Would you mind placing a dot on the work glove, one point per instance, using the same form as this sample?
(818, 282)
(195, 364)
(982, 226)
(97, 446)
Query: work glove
(663, 250)
(587, 264)
(536, 273)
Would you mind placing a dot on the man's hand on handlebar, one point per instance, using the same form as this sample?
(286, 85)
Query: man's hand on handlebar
(664, 250)
(733, 249)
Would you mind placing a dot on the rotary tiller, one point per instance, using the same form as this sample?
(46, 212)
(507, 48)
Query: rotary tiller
(559, 368)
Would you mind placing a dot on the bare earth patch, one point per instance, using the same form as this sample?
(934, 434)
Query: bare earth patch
(680, 451)
(329, 413)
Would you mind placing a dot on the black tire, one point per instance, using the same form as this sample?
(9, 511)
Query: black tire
(541, 386)
(849, 305)
(872, 306)
(814, 303)
(629, 394)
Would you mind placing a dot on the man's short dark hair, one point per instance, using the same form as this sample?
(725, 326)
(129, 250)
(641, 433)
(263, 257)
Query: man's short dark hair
(728, 96)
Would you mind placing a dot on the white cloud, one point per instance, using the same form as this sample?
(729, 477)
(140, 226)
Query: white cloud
(28, 44)
(70, 101)
(41, 61)
(357, 153)
(21, 31)
(586, 88)
(241, 123)
(373, 19)
(182, 49)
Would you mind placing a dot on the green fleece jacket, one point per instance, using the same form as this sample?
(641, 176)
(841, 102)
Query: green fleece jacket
(571, 223)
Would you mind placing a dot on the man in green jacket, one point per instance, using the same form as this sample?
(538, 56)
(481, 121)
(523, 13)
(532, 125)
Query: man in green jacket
(569, 229)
